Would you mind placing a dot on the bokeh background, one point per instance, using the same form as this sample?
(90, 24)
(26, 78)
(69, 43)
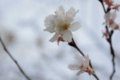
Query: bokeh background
(21, 29)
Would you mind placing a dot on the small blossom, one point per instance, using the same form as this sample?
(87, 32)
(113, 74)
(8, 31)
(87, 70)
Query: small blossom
(61, 24)
(110, 19)
(82, 65)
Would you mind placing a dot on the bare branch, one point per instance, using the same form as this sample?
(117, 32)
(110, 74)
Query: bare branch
(113, 55)
(73, 44)
(101, 1)
(4, 47)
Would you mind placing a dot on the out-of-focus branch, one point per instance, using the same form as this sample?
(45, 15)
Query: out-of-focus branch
(73, 44)
(113, 55)
(4, 47)
(95, 76)
(101, 1)
(110, 41)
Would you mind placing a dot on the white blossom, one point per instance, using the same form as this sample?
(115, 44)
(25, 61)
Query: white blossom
(82, 65)
(62, 24)
(110, 19)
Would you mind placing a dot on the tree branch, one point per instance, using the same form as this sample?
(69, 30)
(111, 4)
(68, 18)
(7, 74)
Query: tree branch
(4, 47)
(95, 76)
(113, 55)
(110, 41)
(73, 44)
(101, 1)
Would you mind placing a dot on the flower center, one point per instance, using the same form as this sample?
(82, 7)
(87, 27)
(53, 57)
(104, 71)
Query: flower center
(111, 22)
(89, 70)
(81, 66)
(61, 28)
(65, 27)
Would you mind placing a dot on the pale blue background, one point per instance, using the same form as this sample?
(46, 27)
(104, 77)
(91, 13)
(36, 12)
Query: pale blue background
(22, 24)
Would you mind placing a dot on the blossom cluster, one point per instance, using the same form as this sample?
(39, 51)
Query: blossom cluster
(110, 20)
(61, 23)
(110, 16)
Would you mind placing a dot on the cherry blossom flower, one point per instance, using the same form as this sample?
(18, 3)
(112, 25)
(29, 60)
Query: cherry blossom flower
(61, 24)
(82, 65)
(110, 19)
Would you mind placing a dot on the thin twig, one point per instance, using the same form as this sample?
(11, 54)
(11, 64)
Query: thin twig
(95, 76)
(110, 42)
(4, 47)
(73, 44)
(113, 55)
(101, 1)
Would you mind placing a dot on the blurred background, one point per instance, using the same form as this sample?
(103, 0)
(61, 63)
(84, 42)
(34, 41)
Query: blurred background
(21, 29)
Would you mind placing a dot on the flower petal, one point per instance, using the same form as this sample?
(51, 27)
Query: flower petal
(67, 36)
(113, 26)
(49, 21)
(107, 16)
(60, 11)
(54, 38)
(79, 72)
(71, 12)
(79, 59)
(86, 61)
(75, 26)
(49, 29)
(113, 15)
(74, 67)
(68, 19)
